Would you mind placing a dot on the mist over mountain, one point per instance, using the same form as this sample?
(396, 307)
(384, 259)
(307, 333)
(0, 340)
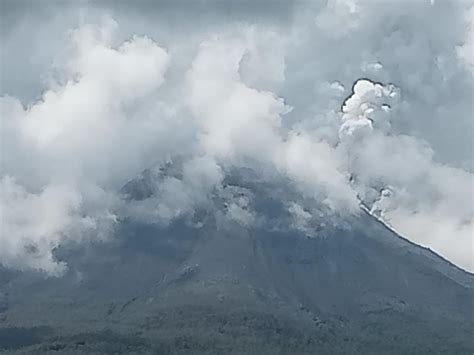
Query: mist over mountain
(219, 286)
(236, 177)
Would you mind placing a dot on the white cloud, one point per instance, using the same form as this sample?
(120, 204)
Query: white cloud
(72, 149)
(238, 210)
(301, 217)
(34, 224)
(235, 119)
(273, 94)
(430, 203)
(318, 172)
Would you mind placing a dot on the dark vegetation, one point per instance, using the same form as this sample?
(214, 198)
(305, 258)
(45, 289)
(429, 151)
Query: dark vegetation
(353, 287)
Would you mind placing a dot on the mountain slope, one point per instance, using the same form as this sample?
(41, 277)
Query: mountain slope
(352, 287)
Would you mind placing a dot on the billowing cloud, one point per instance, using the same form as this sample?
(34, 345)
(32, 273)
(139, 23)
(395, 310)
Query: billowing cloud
(347, 102)
(64, 156)
(396, 175)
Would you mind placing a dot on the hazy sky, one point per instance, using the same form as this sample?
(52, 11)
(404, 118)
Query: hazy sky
(348, 100)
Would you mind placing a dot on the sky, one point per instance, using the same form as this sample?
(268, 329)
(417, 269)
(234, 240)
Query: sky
(347, 102)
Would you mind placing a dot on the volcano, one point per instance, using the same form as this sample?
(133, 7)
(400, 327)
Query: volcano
(210, 285)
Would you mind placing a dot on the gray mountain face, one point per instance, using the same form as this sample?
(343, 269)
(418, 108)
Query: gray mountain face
(347, 286)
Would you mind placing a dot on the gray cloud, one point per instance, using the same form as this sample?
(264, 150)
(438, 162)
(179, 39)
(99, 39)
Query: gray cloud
(275, 87)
